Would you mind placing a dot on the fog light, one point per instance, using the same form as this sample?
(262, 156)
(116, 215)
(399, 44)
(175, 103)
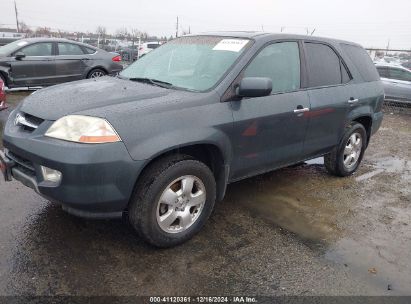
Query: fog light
(51, 175)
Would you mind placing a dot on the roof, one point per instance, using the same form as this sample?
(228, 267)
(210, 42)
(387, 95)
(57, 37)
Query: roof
(42, 39)
(258, 34)
(391, 65)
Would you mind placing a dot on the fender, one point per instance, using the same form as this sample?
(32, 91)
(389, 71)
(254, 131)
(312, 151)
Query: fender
(151, 148)
(360, 111)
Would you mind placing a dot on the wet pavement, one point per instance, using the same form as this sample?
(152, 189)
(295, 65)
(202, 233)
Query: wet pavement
(295, 231)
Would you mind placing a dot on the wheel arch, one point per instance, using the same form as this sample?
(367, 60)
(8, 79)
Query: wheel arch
(208, 153)
(366, 121)
(99, 67)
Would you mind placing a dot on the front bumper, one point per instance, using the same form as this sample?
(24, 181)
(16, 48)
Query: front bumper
(97, 180)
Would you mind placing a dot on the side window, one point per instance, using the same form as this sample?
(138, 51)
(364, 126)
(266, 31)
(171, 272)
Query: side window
(362, 61)
(383, 71)
(89, 50)
(324, 66)
(280, 62)
(400, 74)
(69, 49)
(38, 49)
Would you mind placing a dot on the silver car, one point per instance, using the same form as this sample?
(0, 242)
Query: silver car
(397, 82)
(48, 61)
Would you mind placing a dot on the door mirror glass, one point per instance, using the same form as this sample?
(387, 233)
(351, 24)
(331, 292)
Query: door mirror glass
(255, 87)
(19, 55)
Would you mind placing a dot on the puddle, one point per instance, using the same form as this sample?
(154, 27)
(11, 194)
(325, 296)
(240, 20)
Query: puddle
(284, 198)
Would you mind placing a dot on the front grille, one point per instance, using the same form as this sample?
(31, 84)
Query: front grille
(28, 122)
(23, 164)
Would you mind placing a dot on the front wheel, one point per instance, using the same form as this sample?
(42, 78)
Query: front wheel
(345, 159)
(173, 199)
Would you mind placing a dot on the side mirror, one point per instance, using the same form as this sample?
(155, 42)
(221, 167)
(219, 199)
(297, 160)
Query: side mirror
(255, 87)
(19, 55)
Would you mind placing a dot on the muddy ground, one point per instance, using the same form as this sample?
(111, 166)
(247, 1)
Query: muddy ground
(296, 231)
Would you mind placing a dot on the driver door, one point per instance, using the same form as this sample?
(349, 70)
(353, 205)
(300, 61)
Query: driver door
(269, 131)
(37, 68)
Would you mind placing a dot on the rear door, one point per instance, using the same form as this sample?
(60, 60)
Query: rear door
(330, 91)
(37, 68)
(268, 131)
(71, 62)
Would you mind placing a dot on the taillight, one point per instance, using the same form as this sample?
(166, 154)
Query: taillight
(116, 58)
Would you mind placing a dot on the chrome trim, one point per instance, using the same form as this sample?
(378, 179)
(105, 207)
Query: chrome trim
(21, 120)
(301, 110)
(353, 100)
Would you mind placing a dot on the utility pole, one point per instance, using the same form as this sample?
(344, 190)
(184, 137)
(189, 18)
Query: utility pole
(17, 19)
(177, 28)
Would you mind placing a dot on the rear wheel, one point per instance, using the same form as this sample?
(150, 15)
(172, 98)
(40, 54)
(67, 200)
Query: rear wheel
(172, 201)
(3, 79)
(96, 73)
(345, 159)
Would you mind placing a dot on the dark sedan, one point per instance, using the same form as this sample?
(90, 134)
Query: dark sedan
(49, 61)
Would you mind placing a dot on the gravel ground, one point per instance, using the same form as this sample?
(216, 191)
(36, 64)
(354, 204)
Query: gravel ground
(295, 231)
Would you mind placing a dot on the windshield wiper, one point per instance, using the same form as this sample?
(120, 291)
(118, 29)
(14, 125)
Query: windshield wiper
(160, 83)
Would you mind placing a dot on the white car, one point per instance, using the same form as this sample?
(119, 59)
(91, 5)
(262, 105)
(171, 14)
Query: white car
(147, 47)
(397, 82)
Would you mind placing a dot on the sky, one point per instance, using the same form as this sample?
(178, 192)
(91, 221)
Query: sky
(370, 23)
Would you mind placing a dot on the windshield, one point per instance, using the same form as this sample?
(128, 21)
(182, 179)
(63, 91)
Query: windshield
(193, 63)
(7, 49)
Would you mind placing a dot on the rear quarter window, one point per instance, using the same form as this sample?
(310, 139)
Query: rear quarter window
(362, 62)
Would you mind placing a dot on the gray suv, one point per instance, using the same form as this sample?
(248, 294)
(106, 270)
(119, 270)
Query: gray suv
(159, 143)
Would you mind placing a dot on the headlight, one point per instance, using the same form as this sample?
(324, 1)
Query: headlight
(83, 129)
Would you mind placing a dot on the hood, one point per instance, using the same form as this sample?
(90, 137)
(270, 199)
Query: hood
(79, 96)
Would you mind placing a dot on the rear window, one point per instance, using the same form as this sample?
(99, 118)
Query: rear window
(362, 61)
(324, 65)
(89, 50)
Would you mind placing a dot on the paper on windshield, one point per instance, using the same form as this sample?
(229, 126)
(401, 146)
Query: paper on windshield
(21, 43)
(233, 45)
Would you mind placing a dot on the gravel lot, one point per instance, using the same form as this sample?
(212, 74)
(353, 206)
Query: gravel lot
(296, 231)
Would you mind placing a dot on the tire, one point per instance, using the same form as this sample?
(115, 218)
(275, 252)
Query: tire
(3, 79)
(340, 161)
(96, 73)
(146, 213)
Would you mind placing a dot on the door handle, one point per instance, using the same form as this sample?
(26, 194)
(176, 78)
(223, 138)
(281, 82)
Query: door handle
(352, 100)
(301, 110)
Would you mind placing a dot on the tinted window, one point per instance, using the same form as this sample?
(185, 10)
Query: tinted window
(38, 49)
(383, 71)
(400, 74)
(281, 63)
(69, 49)
(153, 45)
(324, 66)
(362, 61)
(89, 50)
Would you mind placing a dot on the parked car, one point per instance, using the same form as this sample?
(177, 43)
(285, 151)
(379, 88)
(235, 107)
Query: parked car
(147, 47)
(160, 142)
(397, 82)
(49, 61)
(3, 105)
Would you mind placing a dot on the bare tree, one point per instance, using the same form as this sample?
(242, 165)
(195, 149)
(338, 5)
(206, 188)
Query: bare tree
(43, 31)
(122, 32)
(24, 28)
(101, 31)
